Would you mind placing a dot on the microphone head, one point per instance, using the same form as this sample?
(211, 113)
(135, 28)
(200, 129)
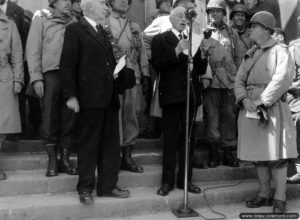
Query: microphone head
(191, 13)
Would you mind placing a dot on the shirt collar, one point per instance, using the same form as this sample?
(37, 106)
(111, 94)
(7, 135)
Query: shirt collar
(177, 32)
(91, 22)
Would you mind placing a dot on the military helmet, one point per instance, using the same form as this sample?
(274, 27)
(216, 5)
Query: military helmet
(216, 4)
(158, 2)
(238, 8)
(264, 18)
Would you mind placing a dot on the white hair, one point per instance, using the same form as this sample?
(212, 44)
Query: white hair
(86, 5)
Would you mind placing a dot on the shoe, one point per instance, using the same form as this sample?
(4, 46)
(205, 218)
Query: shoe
(127, 163)
(295, 179)
(2, 175)
(229, 158)
(86, 198)
(165, 189)
(191, 188)
(197, 163)
(259, 202)
(64, 165)
(279, 206)
(52, 160)
(115, 193)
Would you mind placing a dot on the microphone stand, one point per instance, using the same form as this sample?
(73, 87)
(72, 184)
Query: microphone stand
(185, 211)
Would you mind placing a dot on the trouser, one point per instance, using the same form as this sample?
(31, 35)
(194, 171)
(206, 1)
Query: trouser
(2, 138)
(129, 111)
(57, 120)
(34, 116)
(173, 122)
(296, 118)
(99, 147)
(276, 169)
(219, 116)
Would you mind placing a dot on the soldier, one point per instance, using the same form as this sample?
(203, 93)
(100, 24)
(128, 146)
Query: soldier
(269, 139)
(294, 103)
(219, 99)
(238, 16)
(43, 51)
(11, 77)
(127, 39)
(163, 7)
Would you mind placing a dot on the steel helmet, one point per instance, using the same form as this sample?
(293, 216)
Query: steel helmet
(216, 4)
(238, 8)
(158, 2)
(264, 18)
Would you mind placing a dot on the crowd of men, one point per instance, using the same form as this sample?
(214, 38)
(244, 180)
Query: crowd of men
(76, 98)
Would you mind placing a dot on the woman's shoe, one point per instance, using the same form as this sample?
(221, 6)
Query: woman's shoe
(279, 206)
(259, 202)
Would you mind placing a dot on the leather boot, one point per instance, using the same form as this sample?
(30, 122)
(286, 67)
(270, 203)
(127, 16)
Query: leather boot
(229, 157)
(127, 162)
(213, 155)
(2, 175)
(64, 165)
(52, 160)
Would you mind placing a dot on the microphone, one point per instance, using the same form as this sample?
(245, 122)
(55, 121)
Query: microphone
(191, 13)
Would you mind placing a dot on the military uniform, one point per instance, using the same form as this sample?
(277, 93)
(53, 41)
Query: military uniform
(132, 45)
(293, 97)
(224, 59)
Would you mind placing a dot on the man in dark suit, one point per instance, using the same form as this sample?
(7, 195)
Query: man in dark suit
(170, 62)
(87, 66)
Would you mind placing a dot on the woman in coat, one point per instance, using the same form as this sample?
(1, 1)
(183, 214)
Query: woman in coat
(264, 77)
(11, 78)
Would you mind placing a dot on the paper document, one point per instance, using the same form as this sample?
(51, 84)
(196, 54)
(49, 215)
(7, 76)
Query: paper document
(120, 65)
(196, 41)
(252, 115)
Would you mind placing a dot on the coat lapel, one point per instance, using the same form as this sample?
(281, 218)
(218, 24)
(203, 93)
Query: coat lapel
(92, 32)
(172, 38)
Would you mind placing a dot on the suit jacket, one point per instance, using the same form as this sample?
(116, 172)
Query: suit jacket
(173, 70)
(16, 13)
(87, 65)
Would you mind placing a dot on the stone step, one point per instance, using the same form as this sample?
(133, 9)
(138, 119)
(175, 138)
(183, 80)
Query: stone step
(38, 160)
(230, 211)
(38, 145)
(143, 201)
(35, 182)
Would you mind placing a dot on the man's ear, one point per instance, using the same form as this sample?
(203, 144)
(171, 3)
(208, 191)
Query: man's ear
(171, 18)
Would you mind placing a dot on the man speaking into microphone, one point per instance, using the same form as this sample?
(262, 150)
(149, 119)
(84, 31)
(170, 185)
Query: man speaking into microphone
(171, 63)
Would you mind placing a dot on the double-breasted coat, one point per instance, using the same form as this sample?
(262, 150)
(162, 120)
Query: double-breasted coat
(269, 79)
(11, 69)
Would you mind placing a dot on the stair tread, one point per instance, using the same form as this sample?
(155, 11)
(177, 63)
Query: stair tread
(137, 194)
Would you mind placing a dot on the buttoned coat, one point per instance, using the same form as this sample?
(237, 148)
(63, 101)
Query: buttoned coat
(173, 70)
(11, 69)
(87, 67)
(269, 79)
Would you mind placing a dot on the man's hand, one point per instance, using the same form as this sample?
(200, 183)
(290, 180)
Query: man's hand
(181, 46)
(73, 104)
(39, 88)
(257, 102)
(17, 87)
(206, 83)
(248, 105)
(135, 28)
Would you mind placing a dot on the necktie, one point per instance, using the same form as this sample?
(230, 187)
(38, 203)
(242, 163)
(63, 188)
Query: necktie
(101, 34)
(180, 36)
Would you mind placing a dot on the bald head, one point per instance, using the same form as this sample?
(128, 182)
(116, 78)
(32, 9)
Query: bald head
(178, 18)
